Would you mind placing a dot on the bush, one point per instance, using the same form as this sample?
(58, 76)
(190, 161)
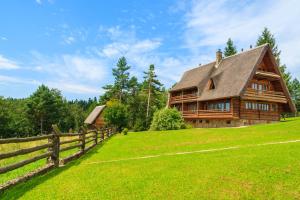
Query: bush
(125, 131)
(167, 119)
(115, 114)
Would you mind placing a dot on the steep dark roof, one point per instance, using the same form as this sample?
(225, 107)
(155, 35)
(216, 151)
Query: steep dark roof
(230, 77)
(94, 114)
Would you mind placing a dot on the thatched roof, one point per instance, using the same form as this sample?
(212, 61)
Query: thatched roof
(94, 114)
(230, 77)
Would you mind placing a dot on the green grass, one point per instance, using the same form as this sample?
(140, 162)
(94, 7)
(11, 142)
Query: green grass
(253, 172)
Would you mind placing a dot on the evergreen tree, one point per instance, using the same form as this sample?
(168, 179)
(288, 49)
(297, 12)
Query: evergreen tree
(267, 37)
(121, 75)
(230, 49)
(152, 86)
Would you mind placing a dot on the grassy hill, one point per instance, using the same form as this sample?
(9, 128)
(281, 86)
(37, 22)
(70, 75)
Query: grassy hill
(258, 162)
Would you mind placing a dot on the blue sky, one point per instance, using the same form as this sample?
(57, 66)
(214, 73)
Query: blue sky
(73, 45)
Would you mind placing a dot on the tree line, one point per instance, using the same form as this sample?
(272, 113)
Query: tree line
(35, 115)
(293, 84)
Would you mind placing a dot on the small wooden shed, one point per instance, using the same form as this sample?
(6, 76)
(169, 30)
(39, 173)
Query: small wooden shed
(95, 118)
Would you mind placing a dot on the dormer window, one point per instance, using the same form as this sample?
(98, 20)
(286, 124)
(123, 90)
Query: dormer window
(211, 84)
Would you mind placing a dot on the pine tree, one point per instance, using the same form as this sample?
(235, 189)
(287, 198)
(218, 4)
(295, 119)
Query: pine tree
(120, 87)
(267, 37)
(152, 86)
(121, 75)
(230, 49)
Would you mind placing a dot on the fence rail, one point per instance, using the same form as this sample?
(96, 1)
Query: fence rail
(55, 145)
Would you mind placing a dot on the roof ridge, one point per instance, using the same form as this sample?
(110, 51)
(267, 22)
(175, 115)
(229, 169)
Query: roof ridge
(200, 66)
(252, 49)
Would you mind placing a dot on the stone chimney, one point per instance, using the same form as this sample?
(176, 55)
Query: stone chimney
(218, 57)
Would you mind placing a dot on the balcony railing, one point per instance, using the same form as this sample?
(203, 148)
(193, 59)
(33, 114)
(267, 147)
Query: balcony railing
(207, 114)
(183, 97)
(272, 96)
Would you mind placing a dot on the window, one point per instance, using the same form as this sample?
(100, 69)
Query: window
(222, 106)
(211, 84)
(258, 106)
(259, 86)
(254, 86)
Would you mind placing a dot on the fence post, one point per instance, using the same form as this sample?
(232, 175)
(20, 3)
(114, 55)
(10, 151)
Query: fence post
(96, 137)
(107, 132)
(55, 145)
(82, 138)
(102, 133)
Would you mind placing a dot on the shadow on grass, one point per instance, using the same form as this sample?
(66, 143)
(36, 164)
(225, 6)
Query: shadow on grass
(19, 190)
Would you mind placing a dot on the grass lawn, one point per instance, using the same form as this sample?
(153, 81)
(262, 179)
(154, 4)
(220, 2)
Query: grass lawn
(250, 172)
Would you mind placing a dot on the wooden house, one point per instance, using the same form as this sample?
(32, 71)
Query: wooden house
(243, 89)
(95, 118)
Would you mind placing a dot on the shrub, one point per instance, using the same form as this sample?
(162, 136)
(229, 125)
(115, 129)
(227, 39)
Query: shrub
(115, 114)
(125, 131)
(167, 119)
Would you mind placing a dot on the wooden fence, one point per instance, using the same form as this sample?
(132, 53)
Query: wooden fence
(84, 141)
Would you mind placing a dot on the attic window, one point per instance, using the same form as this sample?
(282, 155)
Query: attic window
(211, 84)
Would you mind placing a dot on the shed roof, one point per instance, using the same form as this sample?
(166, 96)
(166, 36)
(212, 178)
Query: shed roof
(94, 114)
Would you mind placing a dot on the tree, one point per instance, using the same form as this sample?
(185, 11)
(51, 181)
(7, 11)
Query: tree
(230, 49)
(121, 75)
(295, 85)
(4, 118)
(115, 114)
(44, 108)
(152, 86)
(267, 37)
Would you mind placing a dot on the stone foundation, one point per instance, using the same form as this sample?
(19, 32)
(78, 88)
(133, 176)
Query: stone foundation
(217, 123)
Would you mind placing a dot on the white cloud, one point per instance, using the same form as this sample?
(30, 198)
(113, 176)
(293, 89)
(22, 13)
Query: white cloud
(8, 64)
(17, 80)
(69, 40)
(3, 38)
(208, 25)
(71, 67)
(40, 2)
(71, 87)
(75, 88)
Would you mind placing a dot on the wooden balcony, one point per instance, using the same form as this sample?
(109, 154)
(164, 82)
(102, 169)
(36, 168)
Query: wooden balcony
(270, 96)
(185, 97)
(208, 114)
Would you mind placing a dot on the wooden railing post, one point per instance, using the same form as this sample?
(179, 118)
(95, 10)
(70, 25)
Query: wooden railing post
(54, 157)
(82, 138)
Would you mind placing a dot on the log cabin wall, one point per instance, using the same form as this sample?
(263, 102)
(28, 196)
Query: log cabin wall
(99, 122)
(235, 104)
(272, 114)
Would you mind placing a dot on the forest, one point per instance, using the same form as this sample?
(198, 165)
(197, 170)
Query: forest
(132, 102)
